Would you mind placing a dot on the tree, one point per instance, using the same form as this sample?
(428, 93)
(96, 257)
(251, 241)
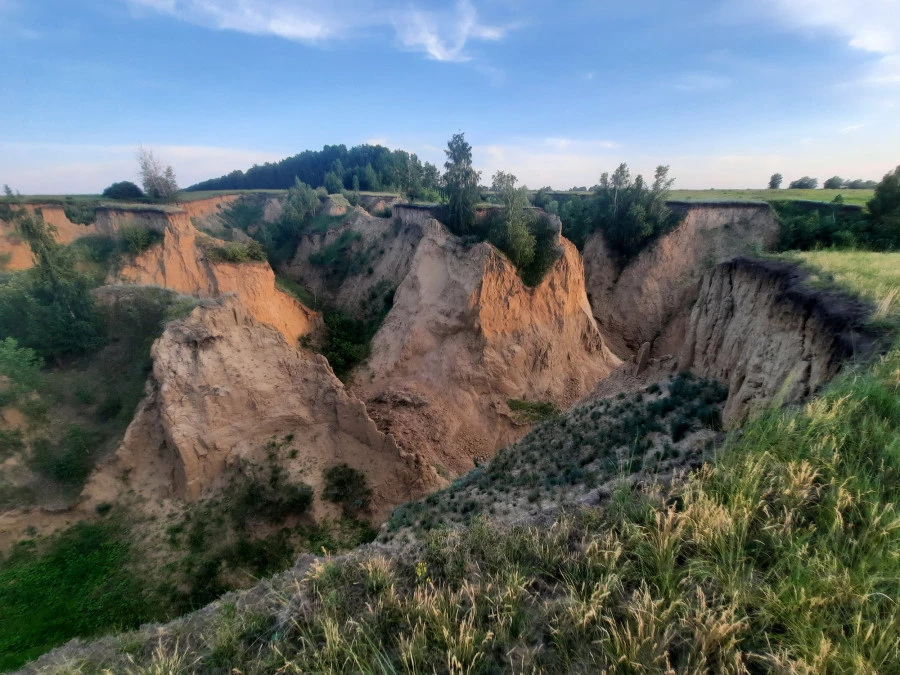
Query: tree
(123, 190)
(159, 181)
(775, 181)
(884, 211)
(833, 183)
(514, 237)
(805, 183)
(49, 308)
(333, 183)
(461, 184)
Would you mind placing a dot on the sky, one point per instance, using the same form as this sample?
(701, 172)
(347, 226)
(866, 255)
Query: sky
(725, 92)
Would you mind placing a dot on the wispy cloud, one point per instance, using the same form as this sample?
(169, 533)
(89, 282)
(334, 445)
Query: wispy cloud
(441, 34)
(870, 26)
(702, 82)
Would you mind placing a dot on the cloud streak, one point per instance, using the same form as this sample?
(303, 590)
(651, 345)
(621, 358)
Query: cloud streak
(442, 35)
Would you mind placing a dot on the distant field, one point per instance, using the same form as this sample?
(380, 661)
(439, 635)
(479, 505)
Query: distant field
(859, 197)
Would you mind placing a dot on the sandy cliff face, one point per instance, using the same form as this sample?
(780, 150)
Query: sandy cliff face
(179, 264)
(650, 299)
(20, 257)
(387, 246)
(756, 328)
(223, 385)
(464, 335)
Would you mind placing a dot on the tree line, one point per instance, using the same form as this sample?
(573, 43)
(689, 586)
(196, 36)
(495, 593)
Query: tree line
(337, 168)
(810, 183)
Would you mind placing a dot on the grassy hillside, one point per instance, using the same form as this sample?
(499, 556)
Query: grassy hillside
(780, 555)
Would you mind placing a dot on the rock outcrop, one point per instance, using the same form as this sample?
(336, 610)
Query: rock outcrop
(180, 264)
(223, 386)
(650, 299)
(758, 329)
(464, 336)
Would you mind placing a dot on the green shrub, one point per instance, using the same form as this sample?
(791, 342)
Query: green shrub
(136, 240)
(532, 411)
(245, 212)
(123, 190)
(347, 486)
(11, 442)
(81, 213)
(236, 252)
(68, 462)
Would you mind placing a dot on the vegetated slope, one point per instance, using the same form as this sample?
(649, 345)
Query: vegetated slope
(580, 456)
(223, 386)
(649, 299)
(465, 335)
(758, 327)
(15, 253)
(782, 555)
(184, 262)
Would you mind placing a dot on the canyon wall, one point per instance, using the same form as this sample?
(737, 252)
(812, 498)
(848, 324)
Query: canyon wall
(223, 386)
(758, 329)
(464, 336)
(179, 263)
(17, 249)
(649, 300)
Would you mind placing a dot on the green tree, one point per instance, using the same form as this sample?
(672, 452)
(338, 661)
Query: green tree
(123, 190)
(333, 183)
(460, 184)
(159, 181)
(805, 183)
(833, 183)
(775, 181)
(514, 237)
(48, 308)
(884, 211)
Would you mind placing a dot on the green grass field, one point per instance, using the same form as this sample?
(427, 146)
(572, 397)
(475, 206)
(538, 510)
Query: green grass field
(858, 197)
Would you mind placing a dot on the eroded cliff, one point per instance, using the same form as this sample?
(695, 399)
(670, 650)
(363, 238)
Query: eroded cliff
(223, 386)
(464, 336)
(757, 328)
(649, 300)
(180, 263)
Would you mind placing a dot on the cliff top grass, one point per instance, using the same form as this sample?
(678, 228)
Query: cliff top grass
(873, 276)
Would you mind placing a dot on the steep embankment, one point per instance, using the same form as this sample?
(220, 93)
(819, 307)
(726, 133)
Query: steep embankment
(758, 329)
(223, 386)
(464, 336)
(180, 263)
(19, 253)
(372, 256)
(649, 300)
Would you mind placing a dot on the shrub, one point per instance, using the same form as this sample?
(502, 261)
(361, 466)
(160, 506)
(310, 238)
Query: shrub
(136, 240)
(68, 462)
(123, 190)
(347, 486)
(81, 213)
(236, 252)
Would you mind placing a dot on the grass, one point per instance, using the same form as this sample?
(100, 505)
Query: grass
(859, 197)
(871, 275)
(75, 583)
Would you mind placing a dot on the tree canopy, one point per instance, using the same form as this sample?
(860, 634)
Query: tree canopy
(460, 184)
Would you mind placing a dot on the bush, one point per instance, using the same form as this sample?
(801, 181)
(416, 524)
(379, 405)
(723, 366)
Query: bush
(123, 190)
(236, 252)
(68, 462)
(136, 240)
(347, 486)
(81, 213)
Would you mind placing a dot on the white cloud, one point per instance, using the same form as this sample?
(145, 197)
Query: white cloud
(871, 26)
(702, 82)
(443, 35)
(45, 168)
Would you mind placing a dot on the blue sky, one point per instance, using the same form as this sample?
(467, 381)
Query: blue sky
(724, 91)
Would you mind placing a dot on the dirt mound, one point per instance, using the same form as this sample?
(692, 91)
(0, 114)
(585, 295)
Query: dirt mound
(464, 336)
(649, 300)
(223, 386)
(756, 327)
(181, 264)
